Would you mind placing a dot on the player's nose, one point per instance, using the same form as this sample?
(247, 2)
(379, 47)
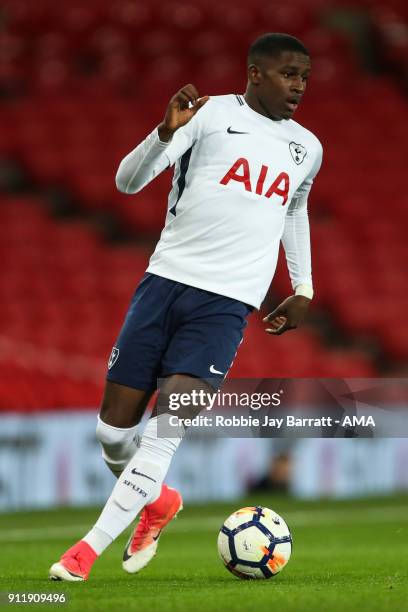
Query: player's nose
(298, 88)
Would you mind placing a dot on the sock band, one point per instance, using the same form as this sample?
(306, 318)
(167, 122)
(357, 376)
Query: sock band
(118, 445)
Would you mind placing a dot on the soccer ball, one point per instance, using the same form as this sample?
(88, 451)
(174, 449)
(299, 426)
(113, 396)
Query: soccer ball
(254, 542)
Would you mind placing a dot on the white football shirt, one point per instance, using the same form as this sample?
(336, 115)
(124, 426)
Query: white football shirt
(240, 186)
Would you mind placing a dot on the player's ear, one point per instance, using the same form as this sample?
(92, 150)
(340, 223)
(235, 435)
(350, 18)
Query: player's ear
(254, 74)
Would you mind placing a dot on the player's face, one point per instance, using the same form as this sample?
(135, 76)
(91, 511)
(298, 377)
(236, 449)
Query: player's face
(279, 83)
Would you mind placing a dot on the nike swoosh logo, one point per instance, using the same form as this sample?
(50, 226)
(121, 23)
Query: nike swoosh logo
(158, 535)
(134, 471)
(230, 131)
(126, 555)
(214, 371)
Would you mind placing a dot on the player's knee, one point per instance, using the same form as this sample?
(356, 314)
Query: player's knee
(118, 445)
(113, 439)
(104, 434)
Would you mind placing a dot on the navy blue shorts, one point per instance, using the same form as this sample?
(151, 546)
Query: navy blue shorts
(172, 328)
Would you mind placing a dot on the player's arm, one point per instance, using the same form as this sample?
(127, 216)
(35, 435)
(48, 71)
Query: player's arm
(296, 243)
(151, 156)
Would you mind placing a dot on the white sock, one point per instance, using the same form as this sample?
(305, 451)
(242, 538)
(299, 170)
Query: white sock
(118, 445)
(160, 441)
(98, 540)
(139, 484)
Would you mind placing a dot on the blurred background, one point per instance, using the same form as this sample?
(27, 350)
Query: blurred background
(81, 83)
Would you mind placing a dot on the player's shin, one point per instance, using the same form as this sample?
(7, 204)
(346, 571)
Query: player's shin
(160, 441)
(158, 445)
(139, 484)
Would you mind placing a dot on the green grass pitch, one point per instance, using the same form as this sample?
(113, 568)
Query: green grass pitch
(349, 555)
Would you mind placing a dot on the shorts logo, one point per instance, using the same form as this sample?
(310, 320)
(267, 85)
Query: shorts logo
(298, 152)
(113, 357)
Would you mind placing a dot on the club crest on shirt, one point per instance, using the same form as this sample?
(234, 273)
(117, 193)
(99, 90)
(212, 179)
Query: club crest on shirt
(298, 152)
(113, 357)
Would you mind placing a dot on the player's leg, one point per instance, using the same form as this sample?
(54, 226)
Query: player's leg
(214, 334)
(117, 428)
(132, 374)
(121, 406)
(203, 346)
(132, 371)
(158, 445)
(141, 481)
(131, 377)
(139, 485)
(125, 406)
(121, 410)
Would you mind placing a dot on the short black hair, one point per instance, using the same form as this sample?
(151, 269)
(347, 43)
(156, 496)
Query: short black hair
(272, 45)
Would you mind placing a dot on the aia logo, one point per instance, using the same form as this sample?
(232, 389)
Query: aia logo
(298, 152)
(240, 172)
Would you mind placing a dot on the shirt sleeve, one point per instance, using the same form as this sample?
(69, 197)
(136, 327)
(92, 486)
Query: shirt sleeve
(152, 156)
(296, 234)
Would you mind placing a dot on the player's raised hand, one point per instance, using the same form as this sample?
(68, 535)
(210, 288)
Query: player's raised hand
(288, 315)
(182, 107)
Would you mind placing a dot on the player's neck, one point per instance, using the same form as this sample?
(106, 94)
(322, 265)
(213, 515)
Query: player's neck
(257, 106)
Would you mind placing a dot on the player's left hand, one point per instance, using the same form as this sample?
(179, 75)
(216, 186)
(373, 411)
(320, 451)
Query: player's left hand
(288, 315)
